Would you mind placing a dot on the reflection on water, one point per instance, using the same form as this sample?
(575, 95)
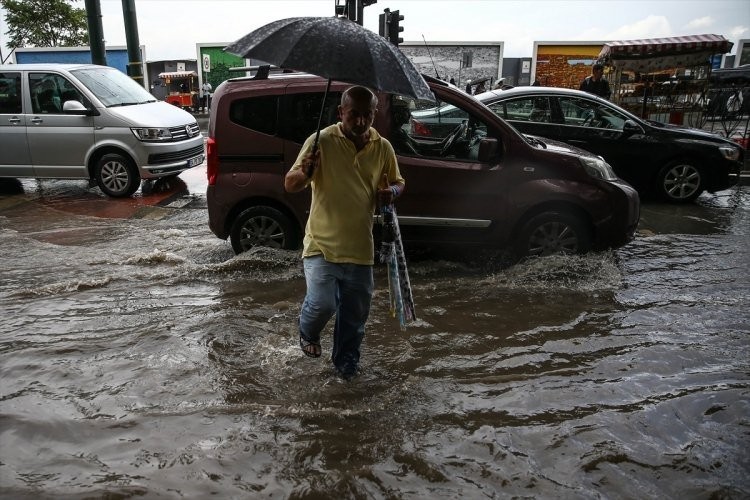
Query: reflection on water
(141, 358)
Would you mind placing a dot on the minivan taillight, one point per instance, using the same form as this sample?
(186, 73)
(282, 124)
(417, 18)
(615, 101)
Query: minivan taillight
(212, 162)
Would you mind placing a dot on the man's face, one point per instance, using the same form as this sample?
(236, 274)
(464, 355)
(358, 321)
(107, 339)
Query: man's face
(357, 116)
(597, 73)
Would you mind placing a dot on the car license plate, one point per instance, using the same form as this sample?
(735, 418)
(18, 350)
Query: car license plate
(195, 161)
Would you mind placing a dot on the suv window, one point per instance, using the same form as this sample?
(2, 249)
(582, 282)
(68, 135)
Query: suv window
(10, 93)
(444, 130)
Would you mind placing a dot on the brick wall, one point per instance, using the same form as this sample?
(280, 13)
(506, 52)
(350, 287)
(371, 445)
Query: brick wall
(566, 71)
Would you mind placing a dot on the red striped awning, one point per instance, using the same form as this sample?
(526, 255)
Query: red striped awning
(649, 53)
(177, 74)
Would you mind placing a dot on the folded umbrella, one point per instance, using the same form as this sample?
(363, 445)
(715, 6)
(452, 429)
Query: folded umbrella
(392, 254)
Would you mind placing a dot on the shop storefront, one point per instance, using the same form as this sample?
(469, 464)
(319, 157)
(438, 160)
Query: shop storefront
(664, 79)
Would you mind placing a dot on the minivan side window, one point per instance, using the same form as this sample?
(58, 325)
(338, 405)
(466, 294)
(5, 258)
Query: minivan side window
(256, 113)
(10, 93)
(49, 91)
(301, 112)
(292, 117)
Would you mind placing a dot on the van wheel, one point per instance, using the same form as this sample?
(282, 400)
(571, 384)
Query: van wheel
(680, 181)
(262, 226)
(116, 175)
(553, 233)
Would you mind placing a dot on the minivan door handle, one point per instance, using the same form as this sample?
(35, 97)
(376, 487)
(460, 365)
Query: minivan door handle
(14, 120)
(36, 119)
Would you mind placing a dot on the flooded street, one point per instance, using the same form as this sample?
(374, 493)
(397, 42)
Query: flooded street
(140, 358)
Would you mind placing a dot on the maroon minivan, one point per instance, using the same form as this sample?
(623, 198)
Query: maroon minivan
(472, 181)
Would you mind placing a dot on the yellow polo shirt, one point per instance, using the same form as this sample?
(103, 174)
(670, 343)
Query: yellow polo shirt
(344, 188)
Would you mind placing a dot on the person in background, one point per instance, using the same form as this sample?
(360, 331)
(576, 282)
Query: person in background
(353, 169)
(596, 83)
(206, 89)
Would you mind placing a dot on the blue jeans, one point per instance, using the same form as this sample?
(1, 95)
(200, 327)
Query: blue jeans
(341, 289)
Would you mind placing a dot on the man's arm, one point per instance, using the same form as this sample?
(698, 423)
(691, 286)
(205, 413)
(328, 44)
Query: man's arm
(299, 176)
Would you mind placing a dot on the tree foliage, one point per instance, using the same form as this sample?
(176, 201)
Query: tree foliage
(44, 23)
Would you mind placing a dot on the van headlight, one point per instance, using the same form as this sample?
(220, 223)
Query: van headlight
(152, 134)
(730, 153)
(598, 168)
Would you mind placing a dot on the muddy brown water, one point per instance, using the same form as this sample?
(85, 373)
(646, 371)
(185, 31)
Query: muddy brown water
(141, 358)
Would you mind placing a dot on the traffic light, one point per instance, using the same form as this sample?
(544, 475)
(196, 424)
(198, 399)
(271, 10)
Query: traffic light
(394, 28)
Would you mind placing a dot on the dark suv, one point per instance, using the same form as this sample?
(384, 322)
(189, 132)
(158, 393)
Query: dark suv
(476, 182)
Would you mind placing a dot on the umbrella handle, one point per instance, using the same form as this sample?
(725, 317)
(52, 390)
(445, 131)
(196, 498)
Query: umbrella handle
(320, 117)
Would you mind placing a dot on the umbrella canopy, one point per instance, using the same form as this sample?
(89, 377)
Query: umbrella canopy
(334, 48)
(655, 54)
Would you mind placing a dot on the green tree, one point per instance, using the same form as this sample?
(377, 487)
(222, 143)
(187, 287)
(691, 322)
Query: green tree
(44, 23)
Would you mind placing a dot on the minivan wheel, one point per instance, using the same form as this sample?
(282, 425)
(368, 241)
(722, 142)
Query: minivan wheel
(116, 175)
(262, 226)
(680, 181)
(553, 233)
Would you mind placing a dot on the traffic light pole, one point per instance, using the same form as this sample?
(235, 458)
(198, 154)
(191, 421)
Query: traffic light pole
(354, 10)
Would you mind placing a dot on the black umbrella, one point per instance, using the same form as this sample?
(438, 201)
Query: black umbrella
(337, 49)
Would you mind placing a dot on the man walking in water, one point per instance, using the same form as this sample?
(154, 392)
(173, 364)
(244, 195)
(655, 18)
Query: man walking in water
(345, 174)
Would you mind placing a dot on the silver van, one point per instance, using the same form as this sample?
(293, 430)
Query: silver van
(83, 121)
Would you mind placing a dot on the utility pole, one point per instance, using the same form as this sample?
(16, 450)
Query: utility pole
(135, 65)
(96, 32)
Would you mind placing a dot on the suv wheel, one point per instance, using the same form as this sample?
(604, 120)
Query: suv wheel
(262, 226)
(552, 233)
(680, 181)
(116, 175)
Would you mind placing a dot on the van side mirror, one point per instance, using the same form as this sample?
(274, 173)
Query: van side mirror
(630, 127)
(487, 150)
(76, 108)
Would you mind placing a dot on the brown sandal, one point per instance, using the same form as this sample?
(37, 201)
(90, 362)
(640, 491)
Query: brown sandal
(311, 349)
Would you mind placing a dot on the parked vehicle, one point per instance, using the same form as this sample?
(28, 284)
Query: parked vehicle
(84, 121)
(479, 184)
(675, 163)
(182, 89)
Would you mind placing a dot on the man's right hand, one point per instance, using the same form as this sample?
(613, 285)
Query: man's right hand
(310, 162)
(297, 179)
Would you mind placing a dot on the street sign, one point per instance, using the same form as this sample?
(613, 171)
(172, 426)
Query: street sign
(206, 63)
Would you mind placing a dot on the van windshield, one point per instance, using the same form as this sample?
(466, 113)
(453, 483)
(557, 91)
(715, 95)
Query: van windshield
(112, 87)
